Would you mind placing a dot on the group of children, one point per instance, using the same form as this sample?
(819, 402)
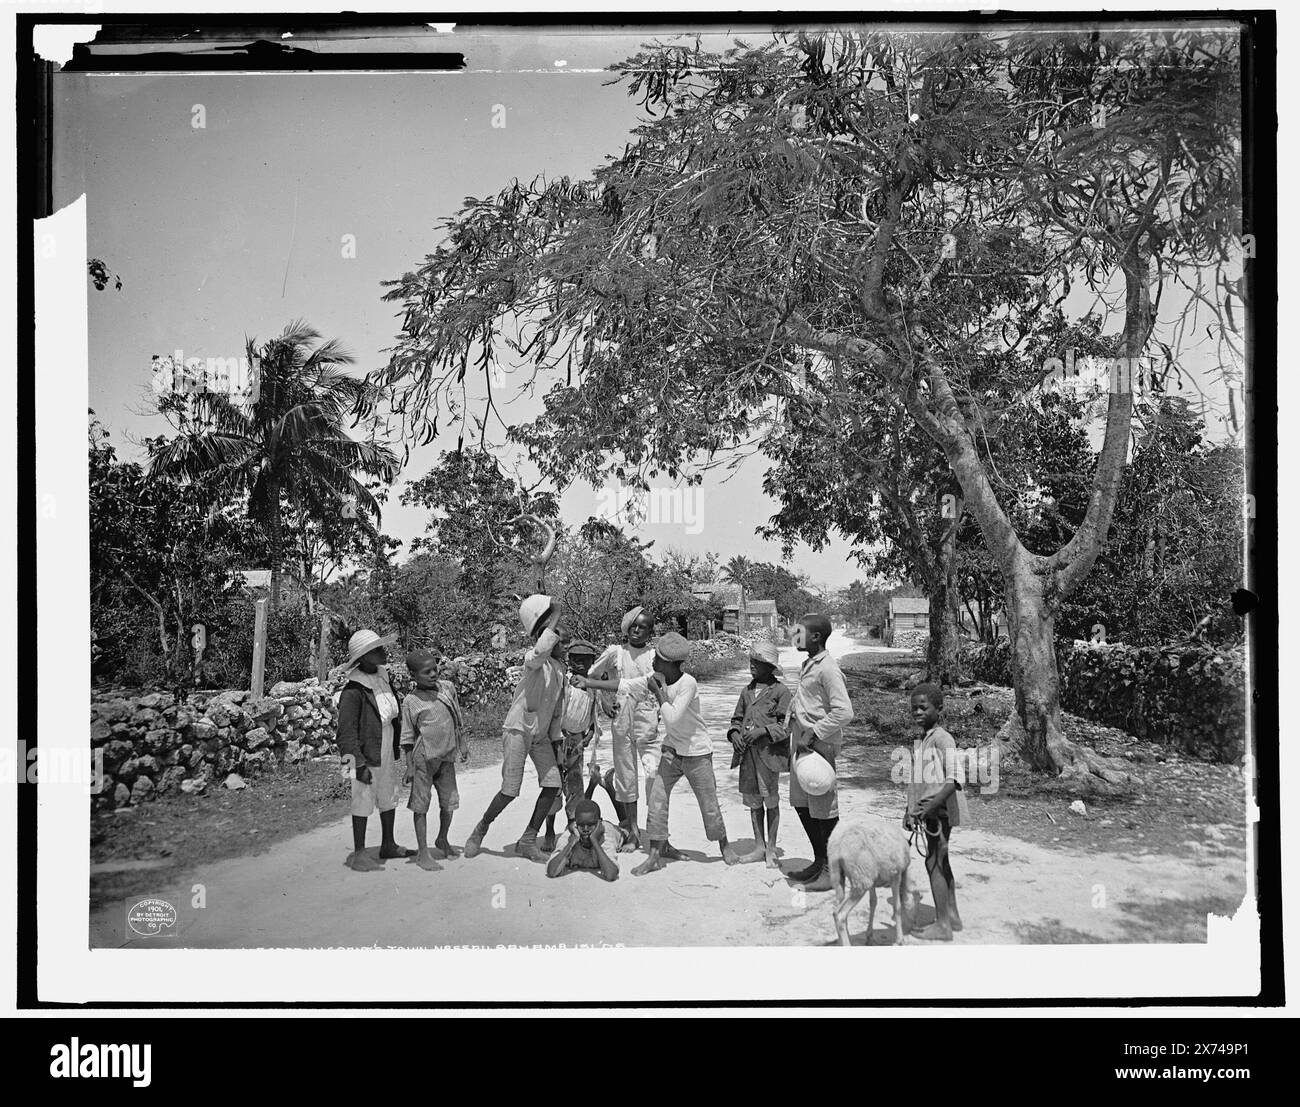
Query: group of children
(565, 686)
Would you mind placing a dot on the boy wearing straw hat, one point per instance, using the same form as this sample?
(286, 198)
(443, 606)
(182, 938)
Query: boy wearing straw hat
(687, 751)
(578, 727)
(762, 744)
(531, 727)
(368, 740)
(635, 722)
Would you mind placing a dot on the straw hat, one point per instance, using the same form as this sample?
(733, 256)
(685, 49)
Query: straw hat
(532, 609)
(763, 650)
(364, 641)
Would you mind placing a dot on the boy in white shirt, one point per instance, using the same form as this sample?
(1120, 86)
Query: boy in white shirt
(687, 750)
(634, 722)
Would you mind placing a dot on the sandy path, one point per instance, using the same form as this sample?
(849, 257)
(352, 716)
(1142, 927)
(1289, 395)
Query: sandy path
(299, 894)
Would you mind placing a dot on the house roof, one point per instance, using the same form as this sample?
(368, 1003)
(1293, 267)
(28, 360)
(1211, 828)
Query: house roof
(760, 607)
(908, 605)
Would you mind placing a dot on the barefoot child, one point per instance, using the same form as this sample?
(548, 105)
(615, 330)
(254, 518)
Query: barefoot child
(818, 713)
(531, 726)
(635, 722)
(934, 807)
(588, 845)
(762, 744)
(577, 729)
(367, 739)
(687, 751)
(432, 736)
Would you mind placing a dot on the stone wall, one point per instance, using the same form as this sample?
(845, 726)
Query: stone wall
(153, 744)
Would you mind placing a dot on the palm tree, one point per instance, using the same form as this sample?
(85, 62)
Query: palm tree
(289, 446)
(737, 571)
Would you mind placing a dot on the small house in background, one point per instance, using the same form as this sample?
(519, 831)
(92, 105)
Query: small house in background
(908, 621)
(760, 615)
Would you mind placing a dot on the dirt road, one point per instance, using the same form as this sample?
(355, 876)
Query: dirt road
(299, 894)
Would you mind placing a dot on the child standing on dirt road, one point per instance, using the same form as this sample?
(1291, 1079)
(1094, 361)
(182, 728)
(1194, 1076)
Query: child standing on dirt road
(531, 727)
(820, 710)
(367, 739)
(687, 751)
(432, 736)
(933, 807)
(762, 744)
(635, 722)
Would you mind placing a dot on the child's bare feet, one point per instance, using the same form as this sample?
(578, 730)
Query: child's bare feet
(631, 841)
(446, 849)
(758, 853)
(392, 851)
(650, 864)
(362, 862)
(730, 856)
(425, 859)
(934, 933)
(670, 852)
(772, 861)
(548, 842)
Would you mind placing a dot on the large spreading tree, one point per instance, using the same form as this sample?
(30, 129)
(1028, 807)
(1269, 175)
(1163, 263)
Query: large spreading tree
(803, 221)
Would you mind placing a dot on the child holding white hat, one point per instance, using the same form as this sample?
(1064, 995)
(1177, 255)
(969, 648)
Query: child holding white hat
(687, 750)
(531, 727)
(368, 740)
(818, 714)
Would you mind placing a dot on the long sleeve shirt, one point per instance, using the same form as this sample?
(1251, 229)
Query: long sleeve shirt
(821, 702)
(533, 711)
(760, 716)
(684, 728)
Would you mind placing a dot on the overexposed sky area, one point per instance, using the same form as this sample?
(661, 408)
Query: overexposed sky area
(239, 226)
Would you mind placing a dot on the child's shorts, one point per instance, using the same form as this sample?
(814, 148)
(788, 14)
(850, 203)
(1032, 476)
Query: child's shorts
(516, 750)
(757, 803)
(440, 776)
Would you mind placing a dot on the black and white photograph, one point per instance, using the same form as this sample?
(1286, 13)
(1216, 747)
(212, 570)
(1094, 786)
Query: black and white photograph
(690, 507)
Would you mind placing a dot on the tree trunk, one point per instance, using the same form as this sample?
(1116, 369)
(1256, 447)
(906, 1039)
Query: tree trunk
(275, 531)
(1034, 728)
(943, 655)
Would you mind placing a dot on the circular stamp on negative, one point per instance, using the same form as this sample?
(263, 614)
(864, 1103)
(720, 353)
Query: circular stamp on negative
(152, 918)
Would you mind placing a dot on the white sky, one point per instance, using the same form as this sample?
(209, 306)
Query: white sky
(237, 228)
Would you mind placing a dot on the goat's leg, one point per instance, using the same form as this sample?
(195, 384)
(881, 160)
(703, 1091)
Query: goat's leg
(841, 915)
(871, 915)
(896, 888)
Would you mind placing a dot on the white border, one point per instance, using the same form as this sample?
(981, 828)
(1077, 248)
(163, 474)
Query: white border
(69, 972)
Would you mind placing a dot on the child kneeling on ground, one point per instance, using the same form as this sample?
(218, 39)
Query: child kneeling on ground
(588, 847)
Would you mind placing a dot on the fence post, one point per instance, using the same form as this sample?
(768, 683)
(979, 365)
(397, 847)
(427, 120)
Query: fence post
(322, 653)
(259, 646)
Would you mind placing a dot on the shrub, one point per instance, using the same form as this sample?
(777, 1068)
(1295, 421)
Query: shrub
(1189, 697)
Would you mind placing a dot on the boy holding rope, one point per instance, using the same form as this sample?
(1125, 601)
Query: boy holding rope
(933, 807)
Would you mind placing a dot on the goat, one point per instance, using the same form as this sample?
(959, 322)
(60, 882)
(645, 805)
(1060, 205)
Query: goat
(864, 856)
